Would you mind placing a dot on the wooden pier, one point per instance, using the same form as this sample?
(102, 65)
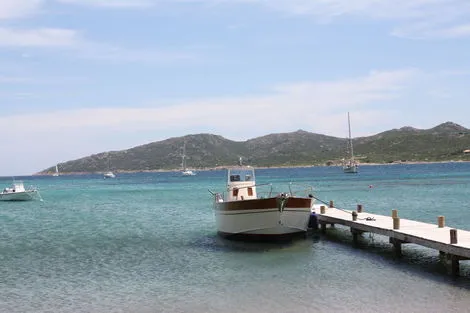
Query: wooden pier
(453, 244)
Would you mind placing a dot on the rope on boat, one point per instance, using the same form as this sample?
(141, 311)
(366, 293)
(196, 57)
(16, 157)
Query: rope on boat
(327, 204)
(369, 218)
(40, 197)
(282, 201)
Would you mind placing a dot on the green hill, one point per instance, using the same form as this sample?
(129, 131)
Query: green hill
(444, 142)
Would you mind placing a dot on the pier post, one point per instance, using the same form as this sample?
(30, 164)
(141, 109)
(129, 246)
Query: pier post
(331, 204)
(441, 221)
(323, 228)
(396, 246)
(394, 213)
(452, 264)
(359, 208)
(396, 223)
(453, 236)
(356, 233)
(354, 215)
(322, 209)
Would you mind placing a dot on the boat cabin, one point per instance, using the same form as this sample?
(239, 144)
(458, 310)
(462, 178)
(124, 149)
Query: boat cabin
(16, 187)
(241, 184)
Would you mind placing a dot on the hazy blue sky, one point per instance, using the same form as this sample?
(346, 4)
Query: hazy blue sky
(79, 77)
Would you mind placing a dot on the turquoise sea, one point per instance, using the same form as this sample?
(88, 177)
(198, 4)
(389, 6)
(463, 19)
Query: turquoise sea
(147, 242)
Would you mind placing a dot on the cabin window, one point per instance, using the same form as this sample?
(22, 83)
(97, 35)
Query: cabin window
(234, 177)
(235, 192)
(250, 191)
(241, 175)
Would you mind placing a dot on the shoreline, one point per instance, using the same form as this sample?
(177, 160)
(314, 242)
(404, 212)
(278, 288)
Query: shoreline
(257, 167)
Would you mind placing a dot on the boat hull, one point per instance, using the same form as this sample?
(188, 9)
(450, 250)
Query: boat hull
(188, 173)
(18, 196)
(350, 169)
(263, 219)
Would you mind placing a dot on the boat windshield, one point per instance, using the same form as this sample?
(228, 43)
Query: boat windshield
(241, 175)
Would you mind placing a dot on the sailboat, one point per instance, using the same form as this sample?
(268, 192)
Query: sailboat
(56, 171)
(184, 170)
(109, 173)
(350, 164)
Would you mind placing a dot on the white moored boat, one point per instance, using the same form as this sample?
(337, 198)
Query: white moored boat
(56, 173)
(185, 171)
(109, 174)
(17, 192)
(240, 213)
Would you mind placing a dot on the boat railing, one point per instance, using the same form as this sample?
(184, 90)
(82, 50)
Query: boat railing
(294, 190)
(218, 196)
(306, 190)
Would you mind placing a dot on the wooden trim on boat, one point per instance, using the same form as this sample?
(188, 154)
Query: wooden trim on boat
(263, 204)
(263, 211)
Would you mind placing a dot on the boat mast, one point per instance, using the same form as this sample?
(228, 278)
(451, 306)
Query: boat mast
(350, 139)
(183, 156)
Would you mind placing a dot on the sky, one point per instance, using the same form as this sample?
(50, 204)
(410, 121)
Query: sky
(79, 77)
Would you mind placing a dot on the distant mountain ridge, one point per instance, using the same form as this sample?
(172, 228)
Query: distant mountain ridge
(443, 142)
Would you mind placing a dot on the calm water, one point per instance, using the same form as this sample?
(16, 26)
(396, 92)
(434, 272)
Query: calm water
(147, 243)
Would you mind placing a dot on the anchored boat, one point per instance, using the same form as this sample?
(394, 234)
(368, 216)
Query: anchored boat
(350, 164)
(242, 213)
(184, 170)
(17, 192)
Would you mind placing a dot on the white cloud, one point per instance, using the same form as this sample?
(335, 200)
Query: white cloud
(13, 9)
(412, 18)
(286, 107)
(73, 41)
(10, 9)
(111, 3)
(41, 37)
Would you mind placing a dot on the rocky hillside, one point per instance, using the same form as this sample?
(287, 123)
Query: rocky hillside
(442, 143)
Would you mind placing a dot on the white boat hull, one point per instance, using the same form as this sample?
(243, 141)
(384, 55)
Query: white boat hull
(18, 196)
(350, 169)
(264, 223)
(188, 173)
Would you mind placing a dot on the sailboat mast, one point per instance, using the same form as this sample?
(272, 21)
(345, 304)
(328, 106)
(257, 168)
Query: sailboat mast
(350, 138)
(183, 156)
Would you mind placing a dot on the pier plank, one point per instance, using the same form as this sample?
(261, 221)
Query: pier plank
(410, 231)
